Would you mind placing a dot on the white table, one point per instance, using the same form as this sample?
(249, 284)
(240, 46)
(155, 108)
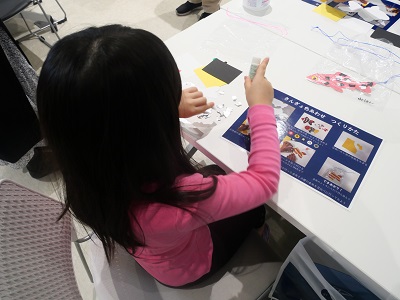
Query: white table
(367, 234)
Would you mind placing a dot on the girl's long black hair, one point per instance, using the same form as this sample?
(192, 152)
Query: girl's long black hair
(108, 106)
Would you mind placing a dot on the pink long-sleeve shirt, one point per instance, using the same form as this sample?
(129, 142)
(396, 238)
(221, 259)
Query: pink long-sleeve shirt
(178, 243)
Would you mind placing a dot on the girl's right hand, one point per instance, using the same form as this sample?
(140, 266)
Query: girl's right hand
(259, 90)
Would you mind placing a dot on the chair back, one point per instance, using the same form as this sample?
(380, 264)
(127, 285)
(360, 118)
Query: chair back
(9, 8)
(35, 249)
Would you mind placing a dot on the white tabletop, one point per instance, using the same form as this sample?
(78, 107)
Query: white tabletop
(367, 234)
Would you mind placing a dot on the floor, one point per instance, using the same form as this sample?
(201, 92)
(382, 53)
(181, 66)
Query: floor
(156, 16)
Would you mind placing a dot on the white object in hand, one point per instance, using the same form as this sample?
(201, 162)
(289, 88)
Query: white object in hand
(255, 62)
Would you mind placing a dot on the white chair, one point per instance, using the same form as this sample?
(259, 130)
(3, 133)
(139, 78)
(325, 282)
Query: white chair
(36, 263)
(247, 276)
(35, 249)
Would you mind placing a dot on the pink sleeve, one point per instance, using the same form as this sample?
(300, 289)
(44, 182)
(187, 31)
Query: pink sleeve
(240, 192)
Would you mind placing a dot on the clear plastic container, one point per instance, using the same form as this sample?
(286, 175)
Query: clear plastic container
(256, 5)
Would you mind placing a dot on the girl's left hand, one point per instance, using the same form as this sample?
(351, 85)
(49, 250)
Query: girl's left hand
(193, 103)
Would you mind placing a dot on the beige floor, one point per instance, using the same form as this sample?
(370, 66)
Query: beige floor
(156, 16)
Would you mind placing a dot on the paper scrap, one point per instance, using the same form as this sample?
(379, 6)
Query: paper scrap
(330, 12)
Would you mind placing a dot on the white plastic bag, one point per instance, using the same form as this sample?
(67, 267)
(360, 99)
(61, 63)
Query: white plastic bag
(362, 61)
(312, 272)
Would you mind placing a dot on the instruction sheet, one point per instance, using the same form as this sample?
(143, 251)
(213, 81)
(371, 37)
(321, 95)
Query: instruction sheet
(327, 154)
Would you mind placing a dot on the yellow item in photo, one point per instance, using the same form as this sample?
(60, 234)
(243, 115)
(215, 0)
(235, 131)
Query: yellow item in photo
(349, 145)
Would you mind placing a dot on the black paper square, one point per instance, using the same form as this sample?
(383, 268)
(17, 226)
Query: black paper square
(222, 70)
(380, 33)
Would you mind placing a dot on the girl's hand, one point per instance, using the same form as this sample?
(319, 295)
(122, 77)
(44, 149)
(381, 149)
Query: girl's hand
(193, 103)
(259, 90)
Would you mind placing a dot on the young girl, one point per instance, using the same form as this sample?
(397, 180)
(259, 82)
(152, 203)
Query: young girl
(109, 101)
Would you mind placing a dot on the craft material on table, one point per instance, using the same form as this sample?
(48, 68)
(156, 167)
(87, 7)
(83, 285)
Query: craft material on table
(208, 79)
(379, 13)
(386, 36)
(329, 12)
(340, 81)
(222, 70)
